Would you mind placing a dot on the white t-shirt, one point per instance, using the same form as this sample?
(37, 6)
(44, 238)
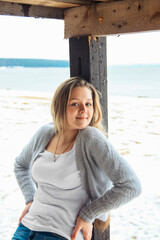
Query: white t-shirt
(59, 195)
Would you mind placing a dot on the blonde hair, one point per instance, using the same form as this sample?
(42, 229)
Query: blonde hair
(60, 103)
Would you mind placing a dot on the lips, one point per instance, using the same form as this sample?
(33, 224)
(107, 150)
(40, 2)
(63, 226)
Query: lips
(81, 118)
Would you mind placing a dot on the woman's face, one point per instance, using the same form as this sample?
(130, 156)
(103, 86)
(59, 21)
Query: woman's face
(80, 108)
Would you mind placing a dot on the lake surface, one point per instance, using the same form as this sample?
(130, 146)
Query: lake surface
(133, 81)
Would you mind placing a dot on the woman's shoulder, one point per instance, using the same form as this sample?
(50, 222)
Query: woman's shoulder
(44, 130)
(47, 127)
(92, 133)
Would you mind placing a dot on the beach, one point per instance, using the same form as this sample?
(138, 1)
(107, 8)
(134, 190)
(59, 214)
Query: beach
(133, 130)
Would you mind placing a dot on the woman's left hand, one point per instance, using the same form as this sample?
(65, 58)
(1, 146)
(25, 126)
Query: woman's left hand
(83, 226)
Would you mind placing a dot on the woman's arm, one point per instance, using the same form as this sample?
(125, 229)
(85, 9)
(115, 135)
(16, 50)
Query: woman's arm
(106, 161)
(23, 163)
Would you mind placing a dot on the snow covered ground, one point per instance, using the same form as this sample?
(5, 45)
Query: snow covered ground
(134, 129)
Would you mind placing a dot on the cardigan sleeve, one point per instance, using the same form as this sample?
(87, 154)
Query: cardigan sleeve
(126, 185)
(22, 167)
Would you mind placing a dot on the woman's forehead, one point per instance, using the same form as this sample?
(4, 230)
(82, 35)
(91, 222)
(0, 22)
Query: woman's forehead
(81, 91)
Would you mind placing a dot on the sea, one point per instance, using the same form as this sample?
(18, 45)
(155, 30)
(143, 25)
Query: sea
(127, 80)
(134, 130)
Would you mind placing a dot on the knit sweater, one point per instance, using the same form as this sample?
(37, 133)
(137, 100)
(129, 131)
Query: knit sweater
(107, 178)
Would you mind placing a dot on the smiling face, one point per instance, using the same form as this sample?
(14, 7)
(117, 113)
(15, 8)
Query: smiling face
(80, 108)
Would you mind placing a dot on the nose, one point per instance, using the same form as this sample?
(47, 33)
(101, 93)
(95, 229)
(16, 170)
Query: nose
(82, 108)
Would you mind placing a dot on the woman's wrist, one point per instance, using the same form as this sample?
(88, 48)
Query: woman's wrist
(30, 202)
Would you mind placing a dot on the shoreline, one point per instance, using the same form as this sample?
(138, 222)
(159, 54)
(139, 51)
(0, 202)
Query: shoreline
(48, 94)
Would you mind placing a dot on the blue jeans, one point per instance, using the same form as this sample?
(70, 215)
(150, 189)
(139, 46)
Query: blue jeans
(24, 233)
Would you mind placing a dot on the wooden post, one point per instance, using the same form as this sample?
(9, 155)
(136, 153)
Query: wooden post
(88, 60)
(79, 57)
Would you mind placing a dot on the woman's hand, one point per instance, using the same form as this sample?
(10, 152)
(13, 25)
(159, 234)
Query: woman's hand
(25, 211)
(85, 227)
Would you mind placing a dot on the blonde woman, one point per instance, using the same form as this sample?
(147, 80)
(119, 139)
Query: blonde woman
(78, 174)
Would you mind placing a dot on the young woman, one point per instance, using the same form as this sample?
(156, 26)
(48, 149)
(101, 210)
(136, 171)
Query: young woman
(78, 174)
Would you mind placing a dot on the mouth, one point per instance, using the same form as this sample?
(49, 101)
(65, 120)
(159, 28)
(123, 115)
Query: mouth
(81, 118)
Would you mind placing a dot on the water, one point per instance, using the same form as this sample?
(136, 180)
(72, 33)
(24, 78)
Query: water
(134, 81)
(32, 79)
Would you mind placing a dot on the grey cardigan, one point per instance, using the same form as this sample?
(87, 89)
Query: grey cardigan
(106, 176)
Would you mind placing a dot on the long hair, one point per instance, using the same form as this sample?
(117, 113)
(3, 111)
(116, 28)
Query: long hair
(60, 103)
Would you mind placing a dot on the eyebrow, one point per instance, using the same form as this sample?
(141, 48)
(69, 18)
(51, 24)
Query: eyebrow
(79, 99)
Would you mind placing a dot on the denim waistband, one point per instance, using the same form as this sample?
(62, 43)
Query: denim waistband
(45, 233)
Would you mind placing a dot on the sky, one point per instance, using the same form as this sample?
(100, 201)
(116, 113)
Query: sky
(23, 37)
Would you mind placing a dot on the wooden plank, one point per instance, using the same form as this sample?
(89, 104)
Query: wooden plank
(15, 9)
(112, 18)
(79, 2)
(82, 2)
(48, 3)
(56, 3)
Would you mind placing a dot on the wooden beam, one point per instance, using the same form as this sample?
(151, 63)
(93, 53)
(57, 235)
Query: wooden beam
(112, 18)
(79, 2)
(48, 3)
(15, 9)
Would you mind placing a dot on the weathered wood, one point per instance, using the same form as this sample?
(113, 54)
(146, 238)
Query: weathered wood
(57, 3)
(48, 3)
(112, 18)
(101, 230)
(79, 2)
(79, 57)
(88, 59)
(15, 9)
(98, 71)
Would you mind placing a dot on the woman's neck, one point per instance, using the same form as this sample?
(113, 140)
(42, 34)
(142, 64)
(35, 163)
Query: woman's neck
(68, 136)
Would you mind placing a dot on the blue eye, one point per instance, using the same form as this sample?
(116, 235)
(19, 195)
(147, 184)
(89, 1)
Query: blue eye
(88, 104)
(74, 104)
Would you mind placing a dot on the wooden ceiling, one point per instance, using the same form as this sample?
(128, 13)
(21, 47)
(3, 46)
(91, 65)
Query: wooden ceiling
(90, 17)
(56, 3)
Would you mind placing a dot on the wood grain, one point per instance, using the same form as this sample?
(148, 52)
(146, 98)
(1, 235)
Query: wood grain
(15, 9)
(47, 3)
(101, 230)
(112, 18)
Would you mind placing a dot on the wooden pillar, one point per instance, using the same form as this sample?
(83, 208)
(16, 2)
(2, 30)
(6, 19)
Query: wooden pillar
(88, 60)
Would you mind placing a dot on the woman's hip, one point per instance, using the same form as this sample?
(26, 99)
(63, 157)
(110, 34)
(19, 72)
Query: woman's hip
(24, 233)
